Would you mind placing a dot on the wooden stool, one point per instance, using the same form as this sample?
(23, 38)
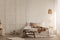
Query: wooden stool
(27, 32)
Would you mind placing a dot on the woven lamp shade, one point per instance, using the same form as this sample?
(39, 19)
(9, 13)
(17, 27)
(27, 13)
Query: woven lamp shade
(49, 11)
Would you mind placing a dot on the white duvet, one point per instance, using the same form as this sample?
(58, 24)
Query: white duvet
(30, 28)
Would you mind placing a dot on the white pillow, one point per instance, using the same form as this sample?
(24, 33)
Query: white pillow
(27, 27)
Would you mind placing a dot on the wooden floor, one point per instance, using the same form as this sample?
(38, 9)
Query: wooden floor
(3, 38)
(18, 38)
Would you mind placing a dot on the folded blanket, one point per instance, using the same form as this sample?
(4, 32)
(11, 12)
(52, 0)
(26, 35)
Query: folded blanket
(41, 29)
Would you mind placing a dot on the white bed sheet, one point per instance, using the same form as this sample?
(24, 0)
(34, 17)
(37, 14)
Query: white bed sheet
(30, 28)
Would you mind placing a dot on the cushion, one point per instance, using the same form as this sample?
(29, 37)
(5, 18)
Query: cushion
(34, 25)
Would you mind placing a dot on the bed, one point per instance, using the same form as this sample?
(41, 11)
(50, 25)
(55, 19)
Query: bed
(37, 29)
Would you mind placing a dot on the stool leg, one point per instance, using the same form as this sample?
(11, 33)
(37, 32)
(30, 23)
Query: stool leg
(34, 35)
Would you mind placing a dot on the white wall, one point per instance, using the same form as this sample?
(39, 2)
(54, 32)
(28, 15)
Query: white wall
(12, 14)
(2, 12)
(37, 10)
(20, 13)
(58, 16)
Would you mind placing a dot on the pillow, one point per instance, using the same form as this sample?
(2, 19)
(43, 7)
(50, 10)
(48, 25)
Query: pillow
(34, 25)
(41, 29)
(27, 27)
